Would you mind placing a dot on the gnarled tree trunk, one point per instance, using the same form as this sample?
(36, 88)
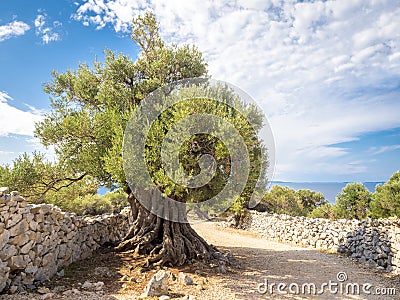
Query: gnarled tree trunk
(165, 242)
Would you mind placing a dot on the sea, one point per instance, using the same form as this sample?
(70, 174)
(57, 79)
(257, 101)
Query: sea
(329, 189)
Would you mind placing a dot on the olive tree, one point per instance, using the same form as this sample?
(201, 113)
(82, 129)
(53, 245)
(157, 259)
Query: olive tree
(91, 107)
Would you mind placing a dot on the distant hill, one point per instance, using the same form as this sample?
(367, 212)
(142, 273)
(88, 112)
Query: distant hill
(328, 189)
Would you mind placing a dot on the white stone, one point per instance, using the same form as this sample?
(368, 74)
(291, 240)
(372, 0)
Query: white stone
(4, 237)
(19, 228)
(18, 262)
(7, 252)
(14, 219)
(19, 240)
(27, 247)
(47, 296)
(185, 279)
(157, 286)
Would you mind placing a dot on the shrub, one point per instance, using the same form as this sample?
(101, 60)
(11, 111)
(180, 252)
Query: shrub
(284, 200)
(117, 199)
(353, 202)
(386, 199)
(326, 211)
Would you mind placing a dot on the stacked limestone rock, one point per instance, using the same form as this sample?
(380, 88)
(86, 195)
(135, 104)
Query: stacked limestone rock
(38, 240)
(374, 241)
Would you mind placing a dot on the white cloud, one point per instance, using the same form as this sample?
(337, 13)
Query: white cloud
(47, 33)
(13, 29)
(383, 149)
(325, 72)
(119, 13)
(14, 120)
(7, 157)
(16, 145)
(16, 128)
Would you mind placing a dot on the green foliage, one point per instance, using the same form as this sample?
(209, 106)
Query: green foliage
(90, 110)
(284, 200)
(91, 107)
(386, 199)
(353, 202)
(281, 200)
(25, 173)
(39, 180)
(309, 200)
(203, 144)
(325, 211)
(94, 204)
(117, 199)
(238, 205)
(88, 205)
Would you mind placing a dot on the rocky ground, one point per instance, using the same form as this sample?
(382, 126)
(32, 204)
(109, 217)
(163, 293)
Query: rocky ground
(110, 275)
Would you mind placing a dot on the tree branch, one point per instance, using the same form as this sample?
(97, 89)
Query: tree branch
(51, 186)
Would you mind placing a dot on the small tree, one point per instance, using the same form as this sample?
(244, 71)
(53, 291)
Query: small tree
(386, 199)
(281, 200)
(309, 200)
(353, 201)
(284, 200)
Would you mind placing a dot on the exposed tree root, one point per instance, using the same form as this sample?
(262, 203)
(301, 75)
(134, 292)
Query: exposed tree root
(166, 243)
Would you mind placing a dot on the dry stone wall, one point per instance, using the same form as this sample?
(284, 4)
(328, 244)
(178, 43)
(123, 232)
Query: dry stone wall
(374, 241)
(37, 241)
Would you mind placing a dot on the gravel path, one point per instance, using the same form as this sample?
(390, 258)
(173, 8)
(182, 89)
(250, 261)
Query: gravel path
(260, 265)
(261, 260)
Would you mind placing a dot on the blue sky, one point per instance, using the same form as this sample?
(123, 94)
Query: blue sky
(326, 73)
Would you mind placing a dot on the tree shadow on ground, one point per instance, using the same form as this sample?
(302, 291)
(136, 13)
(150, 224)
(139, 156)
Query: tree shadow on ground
(251, 267)
(258, 269)
(112, 268)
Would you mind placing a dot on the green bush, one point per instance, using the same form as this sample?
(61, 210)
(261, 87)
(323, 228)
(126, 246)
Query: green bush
(92, 204)
(117, 199)
(386, 199)
(284, 200)
(353, 202)
(325, 211)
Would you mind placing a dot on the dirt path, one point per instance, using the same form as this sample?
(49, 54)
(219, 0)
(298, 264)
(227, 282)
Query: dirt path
(258, 261)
